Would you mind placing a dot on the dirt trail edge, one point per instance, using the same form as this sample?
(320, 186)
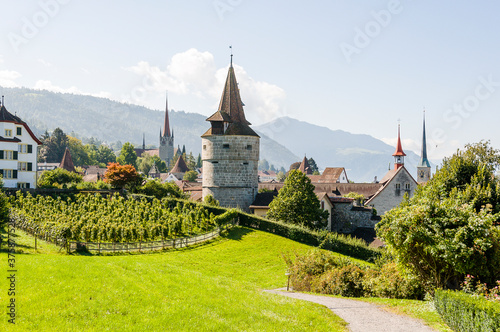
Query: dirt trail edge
(361, 316)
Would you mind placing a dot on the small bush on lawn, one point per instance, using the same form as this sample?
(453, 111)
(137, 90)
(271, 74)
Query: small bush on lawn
(323, 272)
(465, 312)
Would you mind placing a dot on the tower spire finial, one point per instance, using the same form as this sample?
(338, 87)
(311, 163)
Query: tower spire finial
(231, 47)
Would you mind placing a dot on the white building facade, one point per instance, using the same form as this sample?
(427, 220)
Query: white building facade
(18, 151)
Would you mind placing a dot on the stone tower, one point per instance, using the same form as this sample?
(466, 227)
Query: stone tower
(166, 150)
(423, 167)
(230, 151)
(399, 155)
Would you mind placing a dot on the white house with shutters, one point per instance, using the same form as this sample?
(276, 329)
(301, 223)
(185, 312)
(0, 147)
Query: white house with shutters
(18, 151)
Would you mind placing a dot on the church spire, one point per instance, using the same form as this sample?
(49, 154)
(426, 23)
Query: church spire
(143, 141)
(424, 162)
(399, 153)
(230, 102)
(166, 125)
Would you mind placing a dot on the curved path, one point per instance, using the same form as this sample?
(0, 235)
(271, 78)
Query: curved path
(361, 316)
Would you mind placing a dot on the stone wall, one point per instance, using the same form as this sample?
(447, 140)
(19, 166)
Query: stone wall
(230, 171)
(346, 217)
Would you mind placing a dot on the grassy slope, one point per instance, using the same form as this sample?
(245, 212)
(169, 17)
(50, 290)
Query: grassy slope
(211, 287)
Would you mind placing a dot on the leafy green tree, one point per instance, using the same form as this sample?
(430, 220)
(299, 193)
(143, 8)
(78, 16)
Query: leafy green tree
(105, 155)
(160, 190)
(127, 155)
(53, 146)
(4, 207)
(78, 152)
(297, 203)
(199, 162)
(449, 228)
(281, 176)
(190, 176)
(313, 166)
(190, 161)
(57, 177)
(145, 163)
(210, 200)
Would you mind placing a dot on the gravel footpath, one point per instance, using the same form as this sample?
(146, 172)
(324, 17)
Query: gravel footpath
(361, 316)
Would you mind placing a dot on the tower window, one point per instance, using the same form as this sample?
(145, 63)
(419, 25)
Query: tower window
(245, 163)
(215, 162)
(249, 147)
(225, 146)
(204, 147)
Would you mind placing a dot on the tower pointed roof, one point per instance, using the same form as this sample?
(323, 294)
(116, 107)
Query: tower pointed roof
(424, 162)
(166, 125)
(67, 162)
(180, 166)
(399, 148)
(304, 166)
(230, 109)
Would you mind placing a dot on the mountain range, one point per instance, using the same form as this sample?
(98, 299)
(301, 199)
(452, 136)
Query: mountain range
(283, 141)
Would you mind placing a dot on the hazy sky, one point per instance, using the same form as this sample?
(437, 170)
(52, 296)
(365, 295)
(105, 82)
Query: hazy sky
(359, 66)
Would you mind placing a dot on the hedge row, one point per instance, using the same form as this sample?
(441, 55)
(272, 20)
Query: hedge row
(340, 243)
(464, 312)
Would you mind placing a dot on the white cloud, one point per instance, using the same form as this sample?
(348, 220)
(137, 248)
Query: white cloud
(408, 144)
(45, 63)
(1, 59)
(194, 73)
(47, 85)
(8, 77)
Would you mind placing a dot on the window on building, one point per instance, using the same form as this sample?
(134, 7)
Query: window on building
(407, 186)
(8, 155)
(8, 133)
(23, 185)
(19, 131)
(204, 147)
(245, 163)
(249, 147)
(9, 173)
(398, 189)
(215, 162)
(22, 166)
(225, 146)
(25, 148)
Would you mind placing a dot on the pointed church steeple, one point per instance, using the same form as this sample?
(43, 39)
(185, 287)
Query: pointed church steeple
(424, 162)
(424, 166)
(166, 149)
(166, 125)
(399, 153)
(143, 141)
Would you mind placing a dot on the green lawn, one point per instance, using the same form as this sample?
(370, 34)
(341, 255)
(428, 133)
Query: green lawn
(215, 287)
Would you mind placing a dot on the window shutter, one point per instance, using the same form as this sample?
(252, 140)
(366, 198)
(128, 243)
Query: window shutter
(1, 154)
(14, 174)
(15, 155)
(28, 185)
(19, 131)
(30, 167)
(30, 148)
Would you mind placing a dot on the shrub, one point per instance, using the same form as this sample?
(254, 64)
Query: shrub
(464, 312)
(58, 177)
(390, 283)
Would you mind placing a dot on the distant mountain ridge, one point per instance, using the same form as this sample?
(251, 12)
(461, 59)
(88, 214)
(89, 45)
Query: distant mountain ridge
(283, 141)
(112, 121)
(363, 156)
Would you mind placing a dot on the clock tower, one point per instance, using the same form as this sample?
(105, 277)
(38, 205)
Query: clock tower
(424, 167)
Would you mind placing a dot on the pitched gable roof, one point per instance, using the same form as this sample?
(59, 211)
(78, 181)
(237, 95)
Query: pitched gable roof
(6, 116)
(67, 162)
(387, 179)
(180, 166)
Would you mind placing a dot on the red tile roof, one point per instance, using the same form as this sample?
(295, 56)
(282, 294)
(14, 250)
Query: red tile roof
(67, 161)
